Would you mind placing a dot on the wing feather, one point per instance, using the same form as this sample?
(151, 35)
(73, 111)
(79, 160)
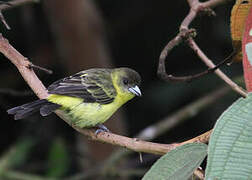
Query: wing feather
(93, 85)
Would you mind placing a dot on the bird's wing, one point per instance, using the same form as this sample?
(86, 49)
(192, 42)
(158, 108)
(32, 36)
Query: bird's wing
(94, 85)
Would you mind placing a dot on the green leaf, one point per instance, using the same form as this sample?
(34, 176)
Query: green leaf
(16, 155)
(179, 163)
(230, 146)
(58, 160)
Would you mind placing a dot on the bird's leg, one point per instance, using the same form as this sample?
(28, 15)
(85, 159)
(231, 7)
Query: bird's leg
(101, 128)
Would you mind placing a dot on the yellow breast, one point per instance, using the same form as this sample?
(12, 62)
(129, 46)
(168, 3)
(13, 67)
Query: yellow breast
(83, 114)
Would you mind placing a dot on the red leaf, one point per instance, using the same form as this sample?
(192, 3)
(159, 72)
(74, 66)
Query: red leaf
(247, 51)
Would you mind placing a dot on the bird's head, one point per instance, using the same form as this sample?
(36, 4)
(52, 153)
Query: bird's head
(127, 82)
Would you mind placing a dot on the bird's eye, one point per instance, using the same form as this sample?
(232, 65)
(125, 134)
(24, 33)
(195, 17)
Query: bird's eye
(125, 81)
(245, 2)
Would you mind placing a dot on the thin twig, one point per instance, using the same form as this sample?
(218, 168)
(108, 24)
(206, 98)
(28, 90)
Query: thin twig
(203, 138)
(186, 33)
(197, 7)
(22, 63)
(2, 17)
(214, 3)
(210, 64)
(48, 71)
(198, 75)
(161, 72)
(4, 21)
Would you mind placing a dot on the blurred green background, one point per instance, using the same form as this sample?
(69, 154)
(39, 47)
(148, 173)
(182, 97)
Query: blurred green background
(69, 36)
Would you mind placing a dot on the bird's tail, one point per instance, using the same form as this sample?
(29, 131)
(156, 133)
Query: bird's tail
(45, 107)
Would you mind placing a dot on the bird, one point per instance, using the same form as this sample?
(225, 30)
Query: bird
(87, 98)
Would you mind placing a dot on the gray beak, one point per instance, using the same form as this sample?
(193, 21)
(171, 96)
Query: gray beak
(135, 90)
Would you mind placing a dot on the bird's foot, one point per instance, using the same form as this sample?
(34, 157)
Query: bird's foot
(101, 128)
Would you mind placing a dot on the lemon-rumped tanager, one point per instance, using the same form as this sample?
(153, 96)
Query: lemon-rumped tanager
(87, 98)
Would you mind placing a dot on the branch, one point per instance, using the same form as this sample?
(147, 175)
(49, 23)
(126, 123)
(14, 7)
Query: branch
(203, 138)
(133, 144)
(153, 131)
(36, 85)
(197, 7)
(188, 34)
(210, 64)
(161, 72)
(214, 3)
(23, 64)
(4, 21)
(39, 89)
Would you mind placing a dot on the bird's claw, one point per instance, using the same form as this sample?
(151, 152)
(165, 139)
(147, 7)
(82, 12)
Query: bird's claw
(101, 128)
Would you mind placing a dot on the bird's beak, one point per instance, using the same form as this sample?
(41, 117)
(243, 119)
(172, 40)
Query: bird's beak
(135, 90)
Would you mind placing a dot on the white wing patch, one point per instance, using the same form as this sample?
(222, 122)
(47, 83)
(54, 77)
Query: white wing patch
(250, 32)
(248, 49)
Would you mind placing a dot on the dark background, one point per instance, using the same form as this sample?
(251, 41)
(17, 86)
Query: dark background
(69, 36)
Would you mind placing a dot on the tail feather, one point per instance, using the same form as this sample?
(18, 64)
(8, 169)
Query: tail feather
(48, 109)
(27, 106)
(24, 113)
(28, 109)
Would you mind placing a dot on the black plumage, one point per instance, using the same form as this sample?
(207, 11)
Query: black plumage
(29, 108)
